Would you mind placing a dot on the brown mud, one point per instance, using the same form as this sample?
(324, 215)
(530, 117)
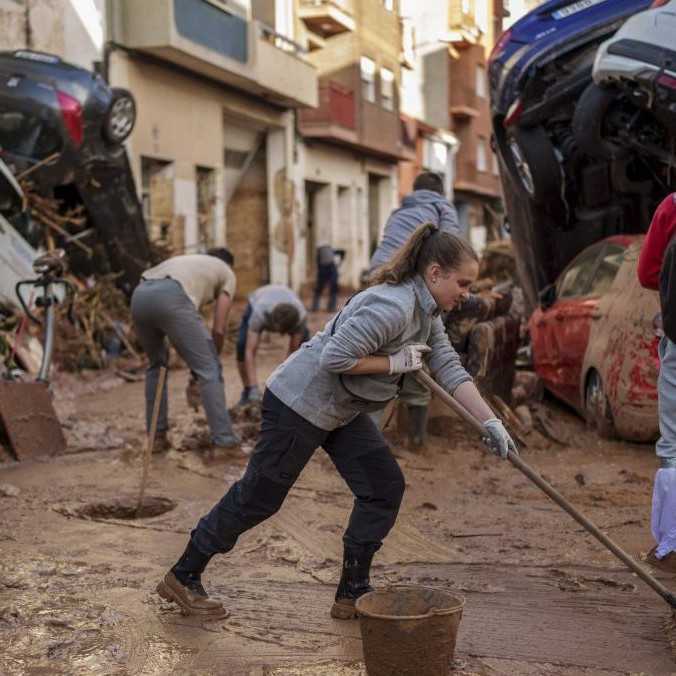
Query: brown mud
(77, 579)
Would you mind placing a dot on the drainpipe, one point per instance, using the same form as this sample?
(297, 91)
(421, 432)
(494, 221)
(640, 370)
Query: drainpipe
(28, 31)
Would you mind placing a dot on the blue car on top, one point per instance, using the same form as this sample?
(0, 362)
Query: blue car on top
(558, 198)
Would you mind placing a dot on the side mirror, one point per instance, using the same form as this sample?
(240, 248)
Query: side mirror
(547, 296)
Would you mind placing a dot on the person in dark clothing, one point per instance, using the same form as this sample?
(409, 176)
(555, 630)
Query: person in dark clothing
(426, 204)
(327, 275)
(320, 396)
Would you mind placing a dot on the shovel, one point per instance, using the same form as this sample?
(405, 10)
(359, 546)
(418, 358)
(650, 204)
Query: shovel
(524, 468)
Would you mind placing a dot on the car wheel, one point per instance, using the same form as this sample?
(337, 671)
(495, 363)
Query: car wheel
(597, 408)
(121, 116)
(534, 164)
(589, 122)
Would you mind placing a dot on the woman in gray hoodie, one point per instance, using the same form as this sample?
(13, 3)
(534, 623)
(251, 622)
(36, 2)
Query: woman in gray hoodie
(320, 396)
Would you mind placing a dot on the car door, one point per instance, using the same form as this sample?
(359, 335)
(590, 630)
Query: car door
(565, 326)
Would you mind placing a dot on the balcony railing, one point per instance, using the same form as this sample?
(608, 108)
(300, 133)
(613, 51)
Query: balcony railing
(336, 107)
(206, 39)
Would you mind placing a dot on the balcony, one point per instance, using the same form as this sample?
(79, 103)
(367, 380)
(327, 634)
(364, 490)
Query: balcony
(327, 17)
(463, 103)
(346, 117)
(334, 118)
(208, 40)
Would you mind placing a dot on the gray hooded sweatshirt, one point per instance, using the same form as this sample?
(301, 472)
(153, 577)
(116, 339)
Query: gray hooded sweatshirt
(421, 206)
(380, 320)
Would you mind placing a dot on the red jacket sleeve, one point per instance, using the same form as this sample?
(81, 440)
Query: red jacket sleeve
(662, 229)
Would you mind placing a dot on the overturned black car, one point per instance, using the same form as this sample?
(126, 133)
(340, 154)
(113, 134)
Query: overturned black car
(64, 127)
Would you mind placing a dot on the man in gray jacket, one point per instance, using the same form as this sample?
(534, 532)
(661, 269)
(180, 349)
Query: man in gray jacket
(426, 204)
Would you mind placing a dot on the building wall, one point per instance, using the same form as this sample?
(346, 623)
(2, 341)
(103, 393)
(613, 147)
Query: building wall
(255, 202)
(70, 29)
(341, 217)
(473, 126)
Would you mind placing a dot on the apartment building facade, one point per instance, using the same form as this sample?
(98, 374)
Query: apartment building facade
(474, 26)
(352, 142)
(425, 82)
(214, 146)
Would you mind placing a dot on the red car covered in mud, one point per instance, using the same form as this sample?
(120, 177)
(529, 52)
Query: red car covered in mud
(594, 340)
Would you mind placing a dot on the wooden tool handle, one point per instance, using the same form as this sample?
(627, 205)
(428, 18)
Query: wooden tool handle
(151, 435)
(529, 472)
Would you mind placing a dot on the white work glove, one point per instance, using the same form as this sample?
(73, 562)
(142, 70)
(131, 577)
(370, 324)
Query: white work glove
(497, 438)
(409, 358)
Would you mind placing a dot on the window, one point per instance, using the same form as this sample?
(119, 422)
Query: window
(480, 84)
(389, 5)
(387, 88)
(368, 79)
(481, 154)
(607, 270)
(496, 164)
(576, 279)
(28, 134)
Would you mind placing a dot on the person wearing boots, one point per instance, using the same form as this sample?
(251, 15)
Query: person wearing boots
(274, 308)
(426, 204)
(321, 396)
(166, 306)
(327, 275)
(657, 270)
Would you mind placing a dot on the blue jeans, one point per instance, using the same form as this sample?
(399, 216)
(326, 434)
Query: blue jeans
(666, 393)
(327, 275)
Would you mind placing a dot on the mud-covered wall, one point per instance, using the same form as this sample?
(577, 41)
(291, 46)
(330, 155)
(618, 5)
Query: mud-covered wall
(70, 29)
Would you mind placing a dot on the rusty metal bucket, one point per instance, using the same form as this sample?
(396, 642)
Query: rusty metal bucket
(409, 630)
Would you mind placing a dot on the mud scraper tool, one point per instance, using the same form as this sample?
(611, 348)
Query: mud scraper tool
(525, 469)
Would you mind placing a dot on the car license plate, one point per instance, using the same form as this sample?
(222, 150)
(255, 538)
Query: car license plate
(575, 7)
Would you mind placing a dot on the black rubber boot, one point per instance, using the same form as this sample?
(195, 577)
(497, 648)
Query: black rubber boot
(189, 568)
(354, 582)
(417, 425)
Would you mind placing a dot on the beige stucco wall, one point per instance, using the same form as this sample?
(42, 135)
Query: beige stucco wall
(53, 26)
(180, 119)
(342, 220)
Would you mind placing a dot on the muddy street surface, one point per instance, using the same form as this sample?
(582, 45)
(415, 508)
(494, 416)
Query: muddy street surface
(78, 571)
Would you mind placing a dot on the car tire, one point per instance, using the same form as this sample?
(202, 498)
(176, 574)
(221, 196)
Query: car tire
(120, 116)
(589, 121)
(534, 165)
(597, 407)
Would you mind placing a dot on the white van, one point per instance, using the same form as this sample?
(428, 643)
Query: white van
(16, 254)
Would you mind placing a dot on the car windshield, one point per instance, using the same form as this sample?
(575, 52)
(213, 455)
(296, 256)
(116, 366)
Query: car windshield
(26, 135)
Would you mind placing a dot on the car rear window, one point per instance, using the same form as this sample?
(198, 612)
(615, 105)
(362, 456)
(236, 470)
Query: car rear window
(607, 270)
(26, 135)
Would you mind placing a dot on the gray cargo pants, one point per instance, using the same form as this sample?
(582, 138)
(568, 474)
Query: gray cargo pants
(160, 310)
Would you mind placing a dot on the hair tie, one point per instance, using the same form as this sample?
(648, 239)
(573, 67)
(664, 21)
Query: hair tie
(431, 229)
